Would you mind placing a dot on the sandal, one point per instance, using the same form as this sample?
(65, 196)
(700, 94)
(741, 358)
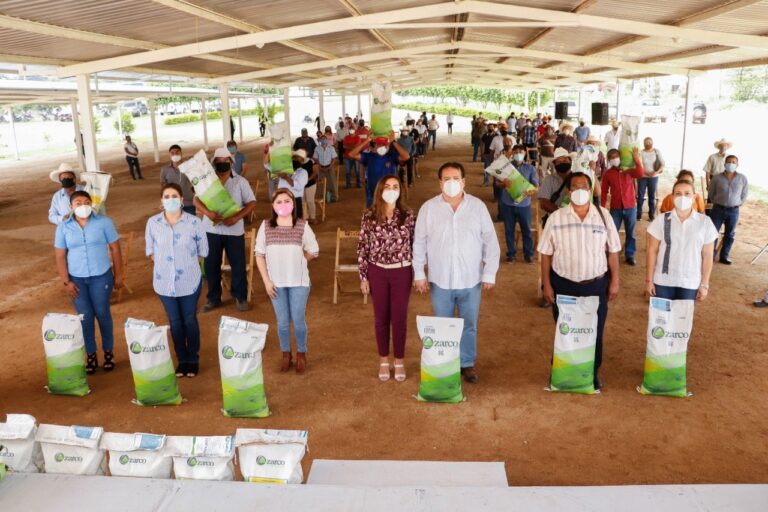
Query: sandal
(91, 364)
(384, 376)
(191, 370)
(109, 364)
(400, 375)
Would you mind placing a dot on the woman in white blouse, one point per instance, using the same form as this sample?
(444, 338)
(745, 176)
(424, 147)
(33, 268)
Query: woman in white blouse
(284, 245)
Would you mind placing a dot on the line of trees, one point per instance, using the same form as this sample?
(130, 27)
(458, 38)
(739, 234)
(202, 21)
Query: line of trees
(483, 95)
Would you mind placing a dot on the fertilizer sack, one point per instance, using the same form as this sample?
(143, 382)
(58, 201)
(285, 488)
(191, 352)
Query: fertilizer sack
(281, 150)
(630, 126)
(242, 378)
(97, 186)
(138, 455)
(503, 169)
(65, 354)
(18, 448)
(381, 109)
(202, 458)
(669, 329)
(208, 188)
(271, 456)
(153, 374)
(440, 359)
(573, 363)
(72, 450)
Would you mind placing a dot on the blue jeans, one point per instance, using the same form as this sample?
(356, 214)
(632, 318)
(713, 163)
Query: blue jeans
(133, 164)
(475, 149)
(185, 331)
(235, 247)
(348, 164)
(649, 184)
(444, 303)
(487, 159)
(517, 215)
(432, 137)
(290, 307)
(729, 216)
(93, 303)
(674, 292)
(628, 215)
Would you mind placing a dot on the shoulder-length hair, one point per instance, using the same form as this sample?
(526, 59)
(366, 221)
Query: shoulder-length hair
(273, 219)
(378, 207)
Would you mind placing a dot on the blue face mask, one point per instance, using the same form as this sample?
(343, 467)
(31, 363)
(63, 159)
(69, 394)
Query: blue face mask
(232, 150)
(731, 167)
(172, 204)
(519, 157)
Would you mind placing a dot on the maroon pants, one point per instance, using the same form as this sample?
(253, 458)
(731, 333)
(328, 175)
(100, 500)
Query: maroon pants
(390, 291)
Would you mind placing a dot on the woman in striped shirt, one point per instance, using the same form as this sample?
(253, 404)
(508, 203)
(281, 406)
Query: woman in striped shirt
(284, 245)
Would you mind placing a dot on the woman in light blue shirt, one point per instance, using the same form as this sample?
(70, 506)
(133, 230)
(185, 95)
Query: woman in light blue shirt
(175, 240)
(84, 243)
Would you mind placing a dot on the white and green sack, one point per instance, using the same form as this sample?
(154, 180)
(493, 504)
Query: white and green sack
(208, 188)
(202, 458)
(381, 109)
(72, 450)
(65, 354)
(18, 449)
(669, 329)
(153, 374)
(440, 359)
(281, 150)
(628, 140)
(242, 377)
(271, 456)
(97, 186)
(573, 363)
(137, 455)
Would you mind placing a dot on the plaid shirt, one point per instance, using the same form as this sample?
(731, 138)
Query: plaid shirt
(529, 135)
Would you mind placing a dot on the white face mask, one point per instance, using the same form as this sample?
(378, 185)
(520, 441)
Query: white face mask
(683, 203)
(390, 196)
(381, 150)
(83, 211)
(175, 158)
(452, 188)
(580, 197)
(615, 162)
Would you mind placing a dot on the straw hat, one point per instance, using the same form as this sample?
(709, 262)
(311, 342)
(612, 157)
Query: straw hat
(561, 152)
(63, 167)
(565, 124)
(302, 154)
(592, 139)
(724, 142)
(221, 153)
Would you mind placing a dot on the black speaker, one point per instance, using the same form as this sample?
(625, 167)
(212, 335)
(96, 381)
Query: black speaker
(561, 110)
(600, 114)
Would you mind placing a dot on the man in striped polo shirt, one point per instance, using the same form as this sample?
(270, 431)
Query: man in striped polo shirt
(580, 254)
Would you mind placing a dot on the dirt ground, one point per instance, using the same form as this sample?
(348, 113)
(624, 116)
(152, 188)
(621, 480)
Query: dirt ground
(617, 437)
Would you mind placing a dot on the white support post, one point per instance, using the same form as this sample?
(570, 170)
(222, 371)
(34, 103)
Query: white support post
(538, 101)
(225, 120)
(527, 99)
(287, 111)
(370, 104)
(89, 134)
(240, 119)
(618, 98)
(204, 117)
(13, 133)
(119, 121)
(359, 108)
(154, 130)
(579, 116)
(688, 87)
(343, 104)
(78, 133)
(321, 114)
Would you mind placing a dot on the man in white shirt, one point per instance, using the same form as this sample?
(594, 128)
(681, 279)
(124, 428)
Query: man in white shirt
(449, 121)
(716, 161)
(580, 255)
(432, 127)
(132, 157)
(456, 239)
(613, 135)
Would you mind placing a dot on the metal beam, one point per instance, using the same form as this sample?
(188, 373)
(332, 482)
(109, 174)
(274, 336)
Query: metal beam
(354, 11)
(471, 24)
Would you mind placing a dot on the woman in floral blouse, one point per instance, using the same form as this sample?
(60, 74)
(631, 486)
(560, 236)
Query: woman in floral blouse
(384, 254)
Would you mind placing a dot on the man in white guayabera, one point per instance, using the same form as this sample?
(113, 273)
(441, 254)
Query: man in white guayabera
(456, 239)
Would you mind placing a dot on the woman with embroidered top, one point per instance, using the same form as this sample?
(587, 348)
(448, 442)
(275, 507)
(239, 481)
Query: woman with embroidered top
(175, 240)
(384, 254)
(84, 243)
(680, 247)
(284, 245)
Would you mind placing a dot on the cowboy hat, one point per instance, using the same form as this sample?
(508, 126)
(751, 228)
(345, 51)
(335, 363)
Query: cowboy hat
(221, 153)
(561, 152)
(302, 154)
(724, 142)
(63, 167)
(565, 124)
(592, 138)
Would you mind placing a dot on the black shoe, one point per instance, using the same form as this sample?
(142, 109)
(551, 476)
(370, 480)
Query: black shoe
(511, 259)
(651, 217)
(209, 306)
(529, 260)
(631, 262)
(181, 369)
(470, 375)
(242, 305)
(760, 304)
(726, 261)
(639, 217)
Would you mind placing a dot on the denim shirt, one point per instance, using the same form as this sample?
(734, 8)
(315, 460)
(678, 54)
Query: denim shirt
(88, 247)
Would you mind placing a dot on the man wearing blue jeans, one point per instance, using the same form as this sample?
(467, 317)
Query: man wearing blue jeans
(456, 239)
(517, 213)
(620, 183)
(653, 163)
(727, 192)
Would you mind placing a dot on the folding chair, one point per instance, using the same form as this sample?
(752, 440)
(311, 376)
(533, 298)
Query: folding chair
(322, 187)
(338, 267)
(127, 242)
(250, 242)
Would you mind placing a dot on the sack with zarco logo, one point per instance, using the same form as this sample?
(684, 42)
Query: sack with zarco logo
(208, 188)
(72, 450)
(242, 378)
(202, 458)
(271, 456)
(669, 329)
(440, 359)
(151, 364)
(18, 449)
(65, 354)
(381, 109)
(140, 455)
(573, 363)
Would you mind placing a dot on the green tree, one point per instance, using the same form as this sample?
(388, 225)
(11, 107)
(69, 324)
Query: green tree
(127, 120)
(750, 84)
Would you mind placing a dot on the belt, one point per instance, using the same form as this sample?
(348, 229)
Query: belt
(388, 266)
(590, 281)
(727, 207)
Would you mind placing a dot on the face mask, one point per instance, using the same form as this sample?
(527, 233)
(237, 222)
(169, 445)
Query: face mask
(351, 132)
(683, 203)
(175, 158)
(580, 197)
(67, 182)
(284, 209)
(731, 167)
(381, 150)
(232, 150)
(452, 188)
(323, 142)
(172, 204)
(563, 167)
(390, 196)
(221, 167)
(518, 157)
(83, 211)
(615, 162)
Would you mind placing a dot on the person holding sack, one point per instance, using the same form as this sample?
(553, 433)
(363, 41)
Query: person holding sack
(384, 256)
(284, 245)
(679, 250)
(653, 163)
(517, 213)
(175, 240)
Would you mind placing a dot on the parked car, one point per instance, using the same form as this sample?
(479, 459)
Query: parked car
(135, 108)
(652, 110)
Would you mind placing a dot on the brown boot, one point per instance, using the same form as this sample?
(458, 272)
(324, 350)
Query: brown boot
(301, 362)
(287, 362)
